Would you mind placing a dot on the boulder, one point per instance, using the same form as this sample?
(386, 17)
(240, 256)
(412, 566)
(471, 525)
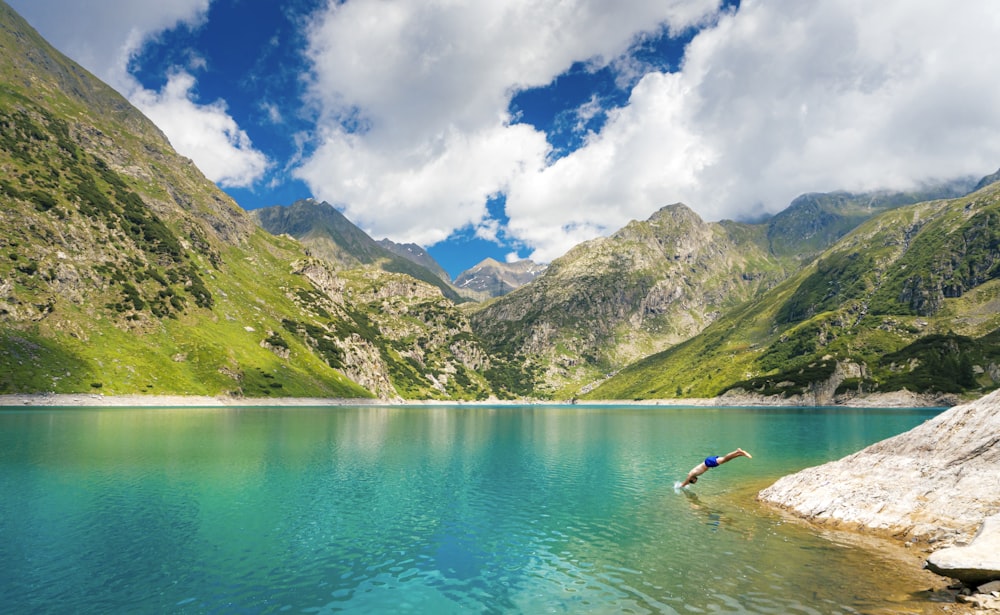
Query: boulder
(975, 564)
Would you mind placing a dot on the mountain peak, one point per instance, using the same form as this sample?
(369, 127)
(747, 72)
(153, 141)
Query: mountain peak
(496, 279)
(331, 236)
(416, 254)
(676, 211)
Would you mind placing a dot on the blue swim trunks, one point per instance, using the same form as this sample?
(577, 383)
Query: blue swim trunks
(711, 462)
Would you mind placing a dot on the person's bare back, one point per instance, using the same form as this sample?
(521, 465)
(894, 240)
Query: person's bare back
(712, 462)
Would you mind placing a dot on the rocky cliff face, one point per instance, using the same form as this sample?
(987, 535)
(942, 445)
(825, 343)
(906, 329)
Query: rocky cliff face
(936, 483)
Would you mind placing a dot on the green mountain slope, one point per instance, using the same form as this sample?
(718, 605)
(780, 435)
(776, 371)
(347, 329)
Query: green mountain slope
(124, 270)
(611, 301)
(909, 300)
(657, 283)
(331, 236)
(813, 222)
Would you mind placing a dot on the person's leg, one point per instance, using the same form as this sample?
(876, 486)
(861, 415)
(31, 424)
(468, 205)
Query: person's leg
(733, 455)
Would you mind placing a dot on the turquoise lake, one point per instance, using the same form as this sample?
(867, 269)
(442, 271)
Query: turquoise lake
(427, 509)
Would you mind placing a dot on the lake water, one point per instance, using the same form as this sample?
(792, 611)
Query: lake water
(425, 509)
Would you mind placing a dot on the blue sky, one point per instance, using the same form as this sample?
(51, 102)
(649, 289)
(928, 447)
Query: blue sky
(519, 128)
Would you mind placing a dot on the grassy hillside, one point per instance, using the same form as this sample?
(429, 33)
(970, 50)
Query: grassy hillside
(114, 282)
(124, 270)
(910, 299)
(227, 348)
(613, 300)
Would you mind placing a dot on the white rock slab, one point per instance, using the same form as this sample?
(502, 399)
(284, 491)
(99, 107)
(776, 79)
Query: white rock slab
(936, 483)
(975, 564)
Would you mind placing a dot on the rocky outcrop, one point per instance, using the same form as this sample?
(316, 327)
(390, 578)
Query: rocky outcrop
(893, 399)
(364, 364)
(974, 564)
(828, 393)
(936, 483)
(322, 276)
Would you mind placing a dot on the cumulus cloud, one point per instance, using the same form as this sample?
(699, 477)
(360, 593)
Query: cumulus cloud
(205, 133)
(105, 35)
(412, 97)
(411, 101)
(779, 98)
(102, 35)
(782, 98)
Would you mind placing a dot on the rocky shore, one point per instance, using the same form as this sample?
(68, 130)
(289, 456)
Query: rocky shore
(56, 400)
(936, 486)
(897, 399)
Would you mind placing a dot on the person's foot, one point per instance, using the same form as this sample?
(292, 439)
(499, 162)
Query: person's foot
(744, 453)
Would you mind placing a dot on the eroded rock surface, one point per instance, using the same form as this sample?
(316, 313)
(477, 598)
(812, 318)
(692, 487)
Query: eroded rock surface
(974, 564)
(936, 483)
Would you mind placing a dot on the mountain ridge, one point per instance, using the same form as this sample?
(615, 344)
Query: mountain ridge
(908, 300)
(416, 254)
(328, 234)
(492, 278)
(123, 270)
(663, 280)
(612, 300)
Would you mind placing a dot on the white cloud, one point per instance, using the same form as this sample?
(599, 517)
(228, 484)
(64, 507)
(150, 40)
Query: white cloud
(488, 230)
(105, 35)
(586, 112)
(643, 159)
(411, 98)
(784, 97)
(781, 98)
(102, 35)
(423, 88)
(205, 133)
(273, 112)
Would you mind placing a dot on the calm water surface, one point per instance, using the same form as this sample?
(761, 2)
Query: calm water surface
(425, 510)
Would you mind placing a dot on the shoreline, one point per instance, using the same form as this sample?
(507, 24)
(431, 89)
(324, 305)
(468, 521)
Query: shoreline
(899, 399)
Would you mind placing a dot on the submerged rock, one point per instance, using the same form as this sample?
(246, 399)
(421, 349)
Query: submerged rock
(936, 483)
